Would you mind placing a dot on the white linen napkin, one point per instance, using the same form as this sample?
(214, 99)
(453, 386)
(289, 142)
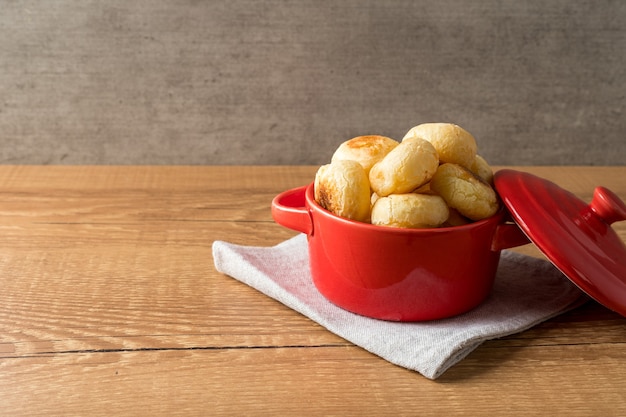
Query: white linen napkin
(526, 292)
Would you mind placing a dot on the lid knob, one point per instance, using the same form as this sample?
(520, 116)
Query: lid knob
(608, 206)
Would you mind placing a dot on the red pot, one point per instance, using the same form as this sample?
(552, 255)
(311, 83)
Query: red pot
(394, 273)
(424, 274)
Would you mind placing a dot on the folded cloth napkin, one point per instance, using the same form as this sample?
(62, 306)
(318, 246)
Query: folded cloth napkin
(526, 292)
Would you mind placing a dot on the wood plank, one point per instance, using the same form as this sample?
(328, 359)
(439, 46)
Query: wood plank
(112, 292)
(77, 296)
(337, 380)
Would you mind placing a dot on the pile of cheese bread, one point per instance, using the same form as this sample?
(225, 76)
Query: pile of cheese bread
(434, 177)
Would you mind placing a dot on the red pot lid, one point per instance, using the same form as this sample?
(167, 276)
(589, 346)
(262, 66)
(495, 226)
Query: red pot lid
(576, 237)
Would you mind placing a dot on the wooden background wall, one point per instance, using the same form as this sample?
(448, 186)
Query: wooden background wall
(285, 81)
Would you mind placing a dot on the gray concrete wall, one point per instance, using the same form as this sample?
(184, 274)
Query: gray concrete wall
(285, 81)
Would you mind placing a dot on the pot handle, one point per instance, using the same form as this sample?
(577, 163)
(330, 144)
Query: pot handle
(288, 210)
(508, 235)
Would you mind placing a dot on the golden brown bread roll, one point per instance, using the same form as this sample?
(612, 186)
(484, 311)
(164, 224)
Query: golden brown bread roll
(406, 167)
(464, 191)
(366, 150)
(373, 199)
(342, 188)
(456, 219)
(481, 168)
(453, 143)
(410, 210)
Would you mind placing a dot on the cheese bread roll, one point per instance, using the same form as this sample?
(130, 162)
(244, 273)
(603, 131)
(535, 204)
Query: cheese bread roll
(481, 168)
(406, 167)
(366, 150)
(456, 219)
(373, 198)
(410, 210)
(342, 188)
(453, 143)
(464, 191)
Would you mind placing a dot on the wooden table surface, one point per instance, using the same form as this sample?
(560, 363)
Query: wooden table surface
(110, 305)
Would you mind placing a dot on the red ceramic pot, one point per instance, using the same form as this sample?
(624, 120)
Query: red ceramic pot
(393, 273)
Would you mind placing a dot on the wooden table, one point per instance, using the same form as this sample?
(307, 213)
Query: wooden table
(110, 305)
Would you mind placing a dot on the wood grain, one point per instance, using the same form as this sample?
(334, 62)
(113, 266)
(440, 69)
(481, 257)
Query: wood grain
(110, 305)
